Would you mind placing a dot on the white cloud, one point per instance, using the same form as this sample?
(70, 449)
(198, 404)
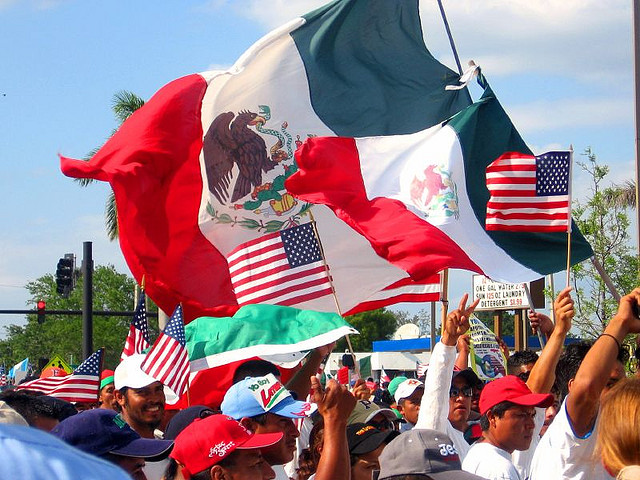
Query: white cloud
(548, 115)
(587, 40)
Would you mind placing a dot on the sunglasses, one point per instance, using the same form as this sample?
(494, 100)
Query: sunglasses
(455, 392)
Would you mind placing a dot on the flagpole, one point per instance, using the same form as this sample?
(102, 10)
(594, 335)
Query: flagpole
(569, 217)
(444, 297)
(453, 45)
(553, 296)
(356, 366)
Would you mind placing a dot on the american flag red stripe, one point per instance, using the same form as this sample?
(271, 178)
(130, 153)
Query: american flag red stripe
(281, 268)
(529, 193)
(81, 386)
(138, 337)
(405, 290)
(168, 359)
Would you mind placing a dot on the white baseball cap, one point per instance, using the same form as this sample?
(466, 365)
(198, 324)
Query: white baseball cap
(129, 374)
(406, 388)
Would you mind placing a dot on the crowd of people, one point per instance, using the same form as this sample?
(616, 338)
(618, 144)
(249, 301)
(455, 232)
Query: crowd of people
(571, 412)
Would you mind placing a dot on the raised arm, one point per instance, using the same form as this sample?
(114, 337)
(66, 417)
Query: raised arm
(299, 383)
(596, 368)
(543, 373)
(335, 404)
(434, 408)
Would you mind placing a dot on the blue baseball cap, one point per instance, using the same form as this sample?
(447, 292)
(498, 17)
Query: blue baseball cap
(255, 396)
(101, 431)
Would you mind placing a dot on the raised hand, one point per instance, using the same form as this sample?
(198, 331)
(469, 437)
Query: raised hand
(563, 310)
(335, 402)
(457, 321)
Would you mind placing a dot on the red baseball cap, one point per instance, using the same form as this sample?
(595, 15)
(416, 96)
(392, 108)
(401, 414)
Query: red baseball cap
(511, 389)
(207, 441)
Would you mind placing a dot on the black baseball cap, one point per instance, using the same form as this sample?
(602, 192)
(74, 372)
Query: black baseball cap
(101, 431)
(363, 438)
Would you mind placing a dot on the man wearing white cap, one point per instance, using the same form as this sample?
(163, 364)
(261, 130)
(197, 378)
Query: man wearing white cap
(408, 397)
(141, 399)
(140, 396)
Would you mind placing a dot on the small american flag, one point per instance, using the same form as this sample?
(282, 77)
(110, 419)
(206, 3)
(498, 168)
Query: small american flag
(421, 369)
(529, 193)
(168, 360)
(138, 337)
(81, 386)
(3, 375)
(404, 290)
(282, 268)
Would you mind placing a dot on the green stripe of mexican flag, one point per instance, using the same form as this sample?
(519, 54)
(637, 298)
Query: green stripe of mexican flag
(262, 331)
(420, 199)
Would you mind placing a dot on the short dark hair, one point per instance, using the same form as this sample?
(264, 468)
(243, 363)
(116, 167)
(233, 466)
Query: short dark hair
(29, 406)
(517, 359)
(254, 368)
(569, 363)
(498, 410)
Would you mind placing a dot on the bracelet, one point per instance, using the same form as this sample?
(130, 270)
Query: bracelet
(614, 339)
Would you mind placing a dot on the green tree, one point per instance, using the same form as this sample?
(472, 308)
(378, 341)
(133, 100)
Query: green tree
(123, 105)
(605, 224)
(62, 334)
(373, 325)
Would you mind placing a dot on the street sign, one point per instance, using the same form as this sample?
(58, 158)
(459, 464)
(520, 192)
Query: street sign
(503, 296)
(57, 362)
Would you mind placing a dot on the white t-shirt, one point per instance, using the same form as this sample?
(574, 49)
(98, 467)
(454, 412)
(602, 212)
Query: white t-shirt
(491, 462)
(522, 458)
(434, 408)
(562, 454)
(280, 473)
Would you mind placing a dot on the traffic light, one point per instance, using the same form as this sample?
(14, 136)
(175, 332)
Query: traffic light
(42, 305)
(65, 275)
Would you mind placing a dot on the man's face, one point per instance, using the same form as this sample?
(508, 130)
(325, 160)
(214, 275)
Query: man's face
(283, 451)
(550, 413)
(143, 407)
(248, 465)
(460, 404)
(409, 407)
(366, 464)
(106, 398)
(514, 430)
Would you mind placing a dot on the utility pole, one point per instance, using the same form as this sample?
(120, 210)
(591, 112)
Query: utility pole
(87, 300)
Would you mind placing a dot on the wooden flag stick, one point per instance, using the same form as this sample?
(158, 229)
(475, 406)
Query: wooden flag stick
(569, 216)
(333, 288)
(444, 297)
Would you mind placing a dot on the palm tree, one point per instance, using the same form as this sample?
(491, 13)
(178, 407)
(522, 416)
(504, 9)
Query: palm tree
(124, 103)
(623, 195)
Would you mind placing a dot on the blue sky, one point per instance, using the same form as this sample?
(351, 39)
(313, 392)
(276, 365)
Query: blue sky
(561, 68)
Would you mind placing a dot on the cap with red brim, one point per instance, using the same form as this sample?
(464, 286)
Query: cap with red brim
(511, 389)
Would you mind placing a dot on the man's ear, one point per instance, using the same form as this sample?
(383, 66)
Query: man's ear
(217, 473)
(119, 397)
(570, 383)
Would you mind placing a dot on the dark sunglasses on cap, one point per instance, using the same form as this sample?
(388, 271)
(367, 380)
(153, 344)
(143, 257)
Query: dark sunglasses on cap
(455, 392)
